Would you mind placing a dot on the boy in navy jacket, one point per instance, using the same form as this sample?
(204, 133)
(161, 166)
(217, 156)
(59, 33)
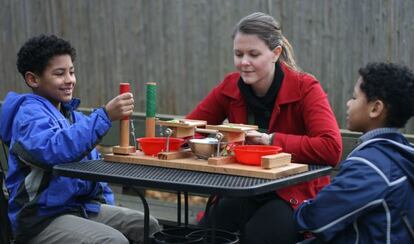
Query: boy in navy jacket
(371, 200)
(44, 129)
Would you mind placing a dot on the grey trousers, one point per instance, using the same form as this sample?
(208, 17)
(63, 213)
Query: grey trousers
(112, 224)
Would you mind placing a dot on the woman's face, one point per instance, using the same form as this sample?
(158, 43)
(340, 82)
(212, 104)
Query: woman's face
(253, 59)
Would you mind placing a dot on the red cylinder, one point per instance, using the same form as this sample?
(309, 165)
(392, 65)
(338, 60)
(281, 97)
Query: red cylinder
(124, 87)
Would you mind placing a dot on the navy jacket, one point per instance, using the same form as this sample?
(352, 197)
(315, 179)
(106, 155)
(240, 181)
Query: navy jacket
(39, 137)
(371, 200)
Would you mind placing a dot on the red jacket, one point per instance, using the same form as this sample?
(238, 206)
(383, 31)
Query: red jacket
(302, 120)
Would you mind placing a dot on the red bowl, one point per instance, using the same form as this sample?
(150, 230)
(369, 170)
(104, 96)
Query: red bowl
(154, 145)
(252, 154)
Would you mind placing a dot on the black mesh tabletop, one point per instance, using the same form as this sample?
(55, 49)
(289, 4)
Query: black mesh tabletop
(181, 180)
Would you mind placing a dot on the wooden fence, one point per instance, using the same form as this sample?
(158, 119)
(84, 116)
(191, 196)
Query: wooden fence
(185, 45)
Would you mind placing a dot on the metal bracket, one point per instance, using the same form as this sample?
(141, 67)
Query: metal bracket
(168, 132)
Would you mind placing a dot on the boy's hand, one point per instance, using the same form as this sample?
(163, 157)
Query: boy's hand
(120, 106)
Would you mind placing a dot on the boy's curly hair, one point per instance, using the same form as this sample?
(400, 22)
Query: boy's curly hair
(393, 84)
(36, 53)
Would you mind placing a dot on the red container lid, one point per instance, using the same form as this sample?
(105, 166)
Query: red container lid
(252, 154)
(154, 145)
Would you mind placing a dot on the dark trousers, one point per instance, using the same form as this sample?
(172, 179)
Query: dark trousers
(261, 219)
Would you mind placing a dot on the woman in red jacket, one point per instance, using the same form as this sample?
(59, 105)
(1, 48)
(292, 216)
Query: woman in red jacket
(291, 110)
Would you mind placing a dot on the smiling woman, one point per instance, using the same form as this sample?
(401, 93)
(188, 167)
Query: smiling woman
(292, 112)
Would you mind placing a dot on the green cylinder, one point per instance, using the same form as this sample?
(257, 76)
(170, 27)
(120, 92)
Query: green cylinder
(151, 99)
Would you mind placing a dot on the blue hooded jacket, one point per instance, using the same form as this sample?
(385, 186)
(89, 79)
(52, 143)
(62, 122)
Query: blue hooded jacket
(371, 200)
(39, 137)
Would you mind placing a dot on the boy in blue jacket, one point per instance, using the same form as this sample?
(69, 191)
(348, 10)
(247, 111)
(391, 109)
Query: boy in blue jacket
(371, 200)
(44, 129)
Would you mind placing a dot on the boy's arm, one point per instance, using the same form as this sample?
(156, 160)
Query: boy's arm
(42, 142)
(355, 190)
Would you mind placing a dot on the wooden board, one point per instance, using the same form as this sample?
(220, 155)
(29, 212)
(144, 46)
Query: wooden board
(184, 123)
(233, 127)
(196, 164)
(254, 127)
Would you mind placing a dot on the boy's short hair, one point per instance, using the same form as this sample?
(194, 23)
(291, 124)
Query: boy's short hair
(35, 54)
(393, 84)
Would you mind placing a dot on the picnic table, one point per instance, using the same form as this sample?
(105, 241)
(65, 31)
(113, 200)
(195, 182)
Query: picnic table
(181, 181)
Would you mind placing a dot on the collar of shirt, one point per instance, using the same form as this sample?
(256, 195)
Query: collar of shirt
(375, 132)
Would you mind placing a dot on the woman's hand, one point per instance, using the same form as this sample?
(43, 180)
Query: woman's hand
(258, 138)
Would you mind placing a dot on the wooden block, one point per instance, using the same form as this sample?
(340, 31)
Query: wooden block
(174, 155)
(233, 136)
(221, 160)
(180, 132)
(123, 150)
(276, 160)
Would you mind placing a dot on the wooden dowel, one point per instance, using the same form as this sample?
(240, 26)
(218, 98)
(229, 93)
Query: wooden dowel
(124, 123)
(124, 147)
(151, 105)
(124, 133)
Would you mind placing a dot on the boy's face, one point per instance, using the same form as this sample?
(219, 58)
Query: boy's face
(358, 111)
(58, 80)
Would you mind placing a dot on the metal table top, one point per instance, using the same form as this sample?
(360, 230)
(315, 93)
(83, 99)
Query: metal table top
(181, 180)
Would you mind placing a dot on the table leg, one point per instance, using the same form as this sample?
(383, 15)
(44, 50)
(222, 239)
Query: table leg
(186, 208)
(146, 216)
(178, 208)
(210, 205)
(213, 226)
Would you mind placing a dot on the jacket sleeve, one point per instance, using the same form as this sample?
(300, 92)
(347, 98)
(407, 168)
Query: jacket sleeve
(41, 141)
(322, 142)
(213, 108)
(354, 191)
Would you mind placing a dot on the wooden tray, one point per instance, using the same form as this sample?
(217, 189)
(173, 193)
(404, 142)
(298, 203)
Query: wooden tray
(195, 164)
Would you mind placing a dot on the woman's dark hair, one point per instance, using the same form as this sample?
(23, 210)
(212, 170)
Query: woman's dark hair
(267, 29)
(393, 84)
(36, 53)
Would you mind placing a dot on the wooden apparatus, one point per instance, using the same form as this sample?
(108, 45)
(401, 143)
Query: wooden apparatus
(124, 147)
(272, 166)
